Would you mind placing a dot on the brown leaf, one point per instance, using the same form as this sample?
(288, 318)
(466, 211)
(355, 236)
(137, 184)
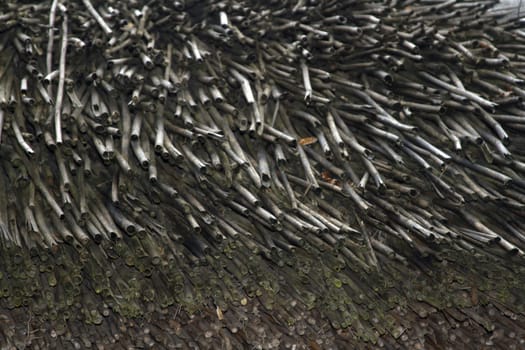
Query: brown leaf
(307, 141)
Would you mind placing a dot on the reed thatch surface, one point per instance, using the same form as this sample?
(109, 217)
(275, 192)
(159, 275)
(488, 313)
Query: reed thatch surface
(261, 174)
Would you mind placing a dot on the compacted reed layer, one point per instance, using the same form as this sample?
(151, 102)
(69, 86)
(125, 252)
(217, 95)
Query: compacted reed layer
(261, 174)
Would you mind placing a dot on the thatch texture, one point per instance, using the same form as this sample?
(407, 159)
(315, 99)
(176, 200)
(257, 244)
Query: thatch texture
(261, 174)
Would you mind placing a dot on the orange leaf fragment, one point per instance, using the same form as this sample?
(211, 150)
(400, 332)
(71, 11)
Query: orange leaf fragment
(307, 141)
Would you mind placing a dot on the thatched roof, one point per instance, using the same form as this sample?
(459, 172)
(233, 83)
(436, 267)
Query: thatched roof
(261, 174)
